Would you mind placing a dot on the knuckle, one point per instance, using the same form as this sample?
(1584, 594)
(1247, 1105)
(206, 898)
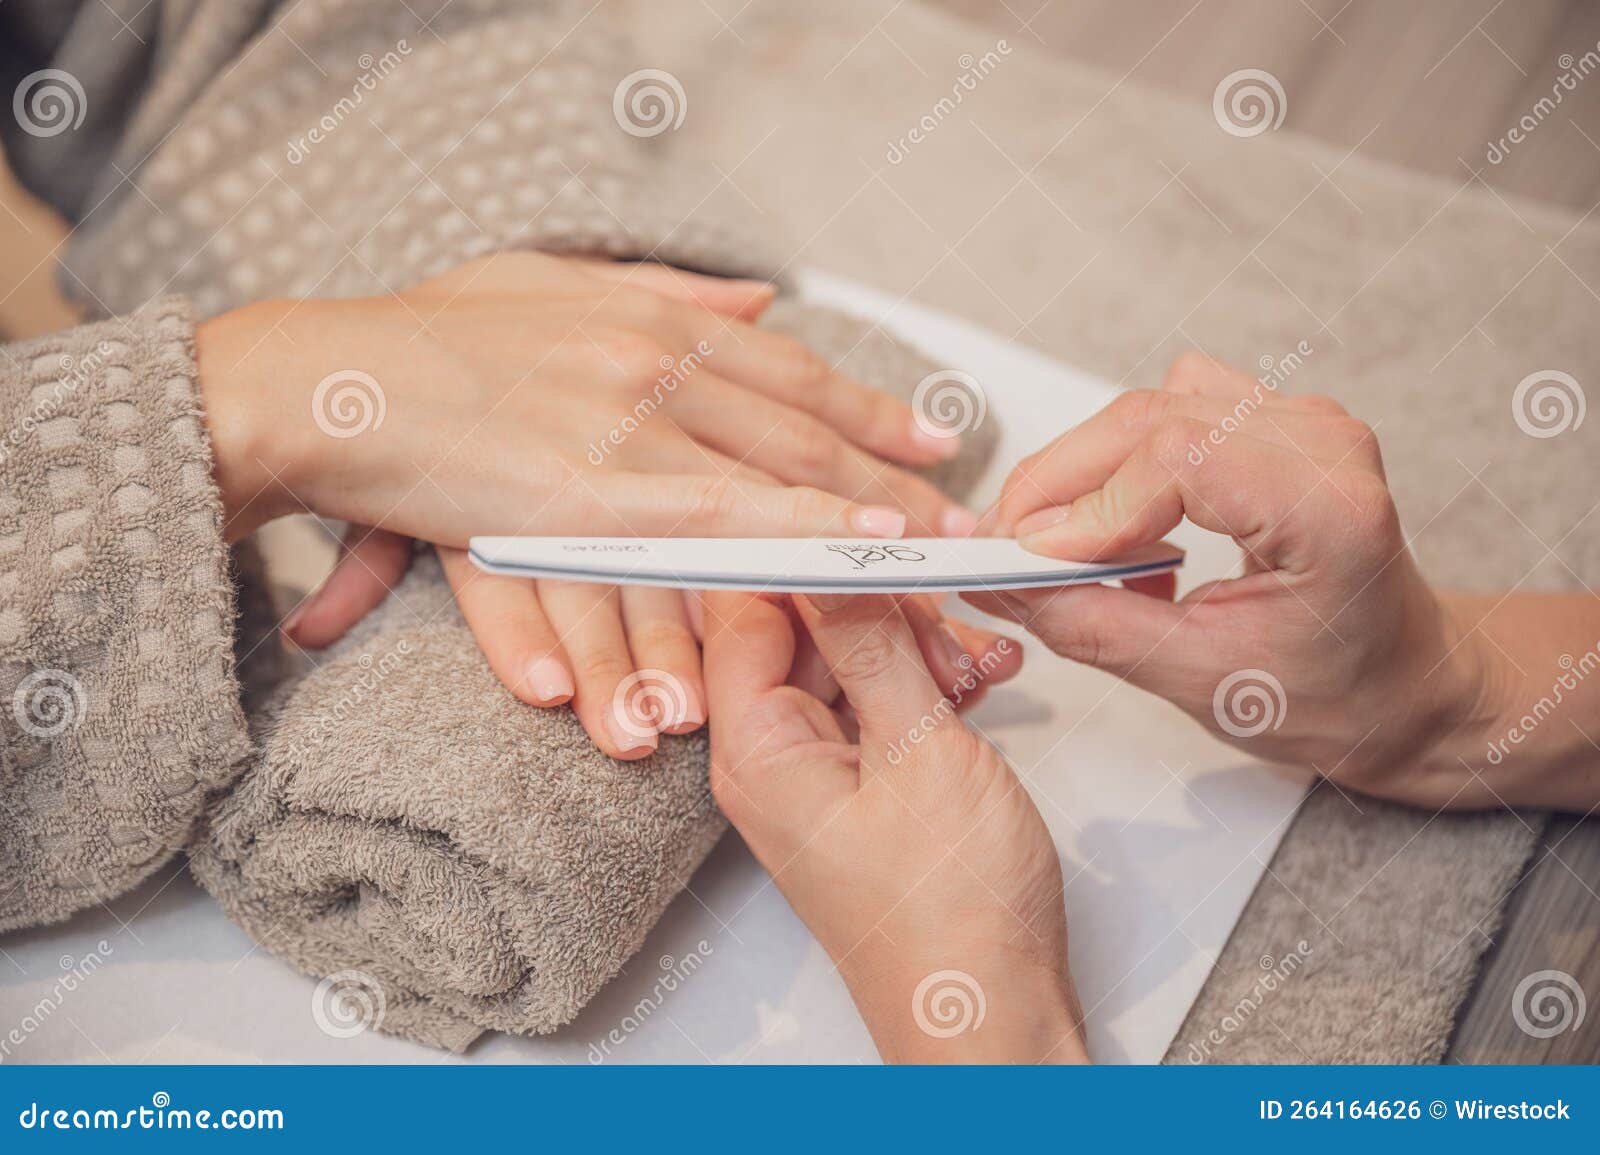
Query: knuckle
(870, 659)
(1319, 403)
(1140, 407)
(633, 358)
(603, 665)
(814, 450)
(714, 501)
(809, 506)
(658, 636)
(799, 359)
(1373, 515)
(1189, 369)
(1169, 443)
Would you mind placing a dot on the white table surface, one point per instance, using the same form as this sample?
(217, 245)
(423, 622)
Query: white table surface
(1163, 833)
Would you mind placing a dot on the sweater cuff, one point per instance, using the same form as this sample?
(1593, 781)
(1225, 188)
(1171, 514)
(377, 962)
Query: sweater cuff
(119, 706)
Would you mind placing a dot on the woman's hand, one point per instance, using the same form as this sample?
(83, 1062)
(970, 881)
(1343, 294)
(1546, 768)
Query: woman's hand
(527, 394)
(912, 851)
(628, 660)
(1331, 650)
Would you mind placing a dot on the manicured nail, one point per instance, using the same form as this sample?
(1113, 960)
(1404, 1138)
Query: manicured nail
(689, 719)
(548, 681)
(942, 446)
(878, 521)
(958, 522)
(627, 737)
(1043, 520)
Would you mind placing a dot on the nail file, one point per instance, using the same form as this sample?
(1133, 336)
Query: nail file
(806, 565)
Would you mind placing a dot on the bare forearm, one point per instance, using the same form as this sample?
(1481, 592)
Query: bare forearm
(1531, 738)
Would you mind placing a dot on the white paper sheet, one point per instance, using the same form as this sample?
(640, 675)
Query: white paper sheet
(1163, 833)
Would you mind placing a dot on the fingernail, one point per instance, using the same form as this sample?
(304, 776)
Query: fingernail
(690, 718)
(548, 681)
(1044, 519)
(943, 446)
(878, 521)
(958, 522)
(293, 620)
(627, 738)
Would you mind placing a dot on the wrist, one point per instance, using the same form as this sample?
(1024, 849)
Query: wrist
(969, 1010)
(249, 465)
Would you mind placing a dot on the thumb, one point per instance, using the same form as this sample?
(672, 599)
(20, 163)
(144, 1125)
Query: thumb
(745, 300)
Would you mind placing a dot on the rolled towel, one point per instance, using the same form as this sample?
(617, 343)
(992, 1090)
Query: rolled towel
(474, 862)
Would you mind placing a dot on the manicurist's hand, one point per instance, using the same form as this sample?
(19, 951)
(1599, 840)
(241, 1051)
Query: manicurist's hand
(904, 841)
(1330, 650)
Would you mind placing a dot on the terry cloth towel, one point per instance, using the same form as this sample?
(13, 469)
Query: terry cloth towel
(458, 860)
(403, 816)
(1116, 228)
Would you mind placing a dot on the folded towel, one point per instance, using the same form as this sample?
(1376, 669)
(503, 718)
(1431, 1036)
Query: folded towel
(490, 869)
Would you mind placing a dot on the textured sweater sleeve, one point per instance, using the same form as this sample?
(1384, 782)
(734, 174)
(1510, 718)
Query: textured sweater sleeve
(119, 708)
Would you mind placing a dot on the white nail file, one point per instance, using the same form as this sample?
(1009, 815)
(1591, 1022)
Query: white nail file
(806, 565)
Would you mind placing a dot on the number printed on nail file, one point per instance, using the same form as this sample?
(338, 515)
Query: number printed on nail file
(806, 565)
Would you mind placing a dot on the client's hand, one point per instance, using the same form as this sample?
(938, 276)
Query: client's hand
(524, 393)
(1330, 651)
(912, 851)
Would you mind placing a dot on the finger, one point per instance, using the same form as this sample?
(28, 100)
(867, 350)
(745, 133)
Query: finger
(725, 296)
(874, 656)
(371, 562)
(750, 647)
(1200, 374)
(1135, 637)
(1084, 457)
(660, 640)
(789, 372)
(511, 629)
(941, 649)
(996, 658)
(673, 505)
(618, 713)
(1161, 585)
(802, 450)
(676, 451)
(1248, 489)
